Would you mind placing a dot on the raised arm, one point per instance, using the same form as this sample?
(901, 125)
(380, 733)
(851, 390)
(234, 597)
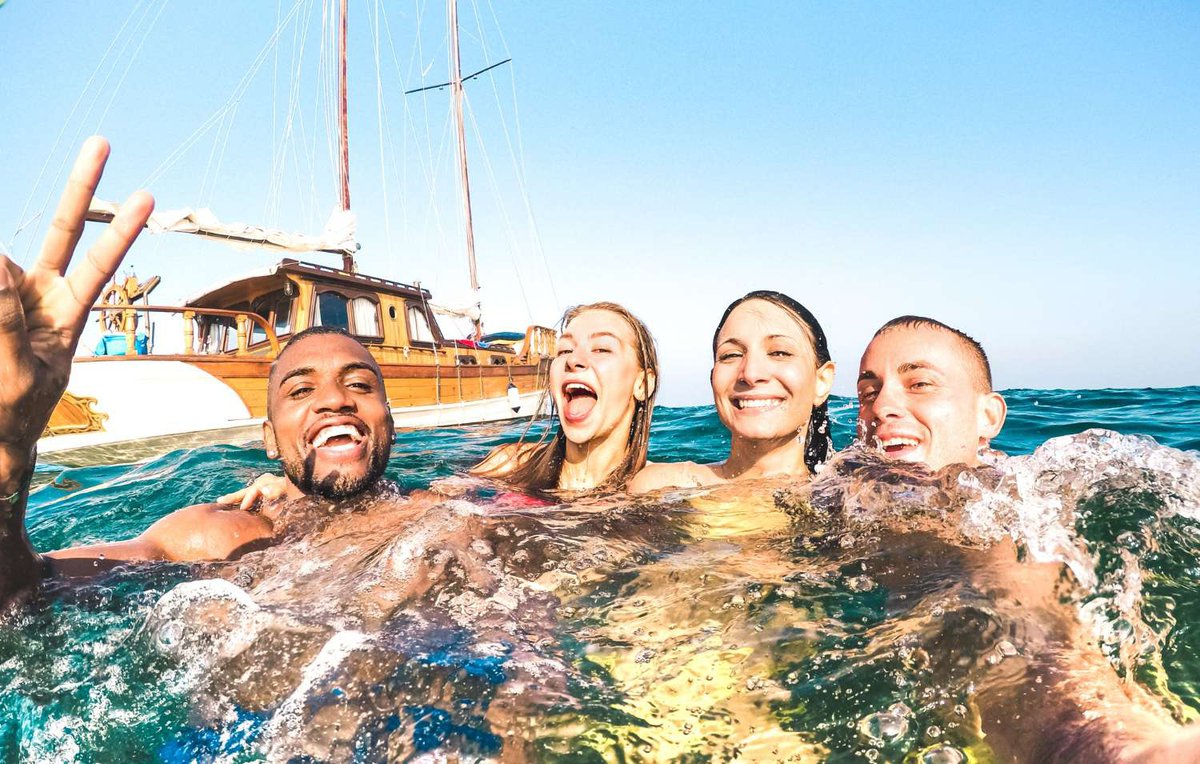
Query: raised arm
(42, 314)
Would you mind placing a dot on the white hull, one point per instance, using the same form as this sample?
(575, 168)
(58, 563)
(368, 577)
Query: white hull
(156, 407)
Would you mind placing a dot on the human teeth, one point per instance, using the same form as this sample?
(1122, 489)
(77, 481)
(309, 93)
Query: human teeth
(757, 403)
(575, 387)
(890, 442)
(334, 431)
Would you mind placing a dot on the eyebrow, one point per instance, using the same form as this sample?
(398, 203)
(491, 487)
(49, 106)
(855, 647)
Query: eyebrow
(592, 336)
(740, 341)
(354, 366)
(903, 368)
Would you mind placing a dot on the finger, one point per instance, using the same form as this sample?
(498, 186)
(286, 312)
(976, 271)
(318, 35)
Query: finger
(231, 498)
(69, 217)
(250, 499)
(14, 339)
(88, 278)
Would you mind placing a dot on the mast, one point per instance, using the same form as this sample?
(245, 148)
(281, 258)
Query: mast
(456, 87)
(344, 131)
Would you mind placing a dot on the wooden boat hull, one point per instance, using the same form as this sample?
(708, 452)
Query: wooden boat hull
(125, 408)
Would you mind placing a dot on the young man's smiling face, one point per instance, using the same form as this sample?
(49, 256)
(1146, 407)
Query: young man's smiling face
(329, 420)
(924, 397)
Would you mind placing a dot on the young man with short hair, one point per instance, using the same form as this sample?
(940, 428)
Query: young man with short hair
(925, 394)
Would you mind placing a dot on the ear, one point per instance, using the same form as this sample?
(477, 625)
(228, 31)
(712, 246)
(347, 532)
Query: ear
(824, 382)
(992, 411)
(269, 441)
(645, 385)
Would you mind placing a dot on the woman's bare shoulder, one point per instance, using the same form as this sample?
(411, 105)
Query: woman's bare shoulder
(660, 475)
(503, 459)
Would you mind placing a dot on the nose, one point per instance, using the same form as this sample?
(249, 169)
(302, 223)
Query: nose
(332, 396)
(888, 403)
(753, 367)
(575, 359)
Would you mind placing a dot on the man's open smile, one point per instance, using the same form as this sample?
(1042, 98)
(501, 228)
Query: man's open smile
(339, 439)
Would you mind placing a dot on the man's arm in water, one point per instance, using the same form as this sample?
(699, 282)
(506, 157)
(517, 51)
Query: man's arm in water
(200, 532)
(42, 314)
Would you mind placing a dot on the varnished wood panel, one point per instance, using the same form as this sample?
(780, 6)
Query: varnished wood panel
(406, 384)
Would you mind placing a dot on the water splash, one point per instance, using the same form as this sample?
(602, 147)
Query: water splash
(784, 621)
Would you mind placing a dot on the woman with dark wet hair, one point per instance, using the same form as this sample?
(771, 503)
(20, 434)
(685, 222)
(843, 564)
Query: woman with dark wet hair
(771, 378)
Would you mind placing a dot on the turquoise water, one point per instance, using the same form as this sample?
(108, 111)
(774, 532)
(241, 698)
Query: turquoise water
(639, 610)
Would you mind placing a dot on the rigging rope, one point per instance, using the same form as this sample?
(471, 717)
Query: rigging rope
(23, 221)
(518, 159)
(230, 103)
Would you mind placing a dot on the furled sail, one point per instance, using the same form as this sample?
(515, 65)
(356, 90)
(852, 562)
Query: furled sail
(337, 238)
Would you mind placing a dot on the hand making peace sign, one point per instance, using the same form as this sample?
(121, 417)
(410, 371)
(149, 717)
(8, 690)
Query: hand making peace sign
(43, 310)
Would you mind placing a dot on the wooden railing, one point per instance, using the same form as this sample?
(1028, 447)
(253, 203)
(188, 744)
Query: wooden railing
(244, 319)
(540, 342)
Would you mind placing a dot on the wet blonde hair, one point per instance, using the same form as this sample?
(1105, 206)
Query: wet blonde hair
(540, 468)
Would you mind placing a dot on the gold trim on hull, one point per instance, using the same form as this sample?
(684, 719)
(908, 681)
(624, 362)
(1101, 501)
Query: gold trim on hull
(74, 414)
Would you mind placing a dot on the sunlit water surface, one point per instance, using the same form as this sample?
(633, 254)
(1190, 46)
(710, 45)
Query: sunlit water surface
(713, 626)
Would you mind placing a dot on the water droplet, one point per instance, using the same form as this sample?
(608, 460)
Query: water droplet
(942, 754)
(883, 726)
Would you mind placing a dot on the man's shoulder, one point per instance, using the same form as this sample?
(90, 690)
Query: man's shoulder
(208, 531)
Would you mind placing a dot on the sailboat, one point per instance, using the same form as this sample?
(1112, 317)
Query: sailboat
(128, 401)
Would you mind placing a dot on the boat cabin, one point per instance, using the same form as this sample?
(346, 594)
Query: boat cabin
(254, 315)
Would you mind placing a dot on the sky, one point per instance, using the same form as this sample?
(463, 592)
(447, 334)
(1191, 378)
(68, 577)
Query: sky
(1027, 172)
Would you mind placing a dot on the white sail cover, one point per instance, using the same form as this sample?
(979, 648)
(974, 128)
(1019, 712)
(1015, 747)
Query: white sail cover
(469, 311)
(337, 238)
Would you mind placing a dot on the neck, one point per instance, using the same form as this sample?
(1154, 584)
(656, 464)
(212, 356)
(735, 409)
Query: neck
(291, 492)
(750, 459)
(587, 465)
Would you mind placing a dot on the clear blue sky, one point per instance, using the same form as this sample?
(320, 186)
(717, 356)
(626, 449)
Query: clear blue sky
(1029, 172)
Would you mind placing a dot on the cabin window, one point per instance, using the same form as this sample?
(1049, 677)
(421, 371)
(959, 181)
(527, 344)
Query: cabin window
(366, 317)
(418, 325)
(276, 308)
(218, 335)
(331, 311)
(283, 315)
(358, 316)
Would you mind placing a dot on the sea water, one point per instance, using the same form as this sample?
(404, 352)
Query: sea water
(711, 626)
